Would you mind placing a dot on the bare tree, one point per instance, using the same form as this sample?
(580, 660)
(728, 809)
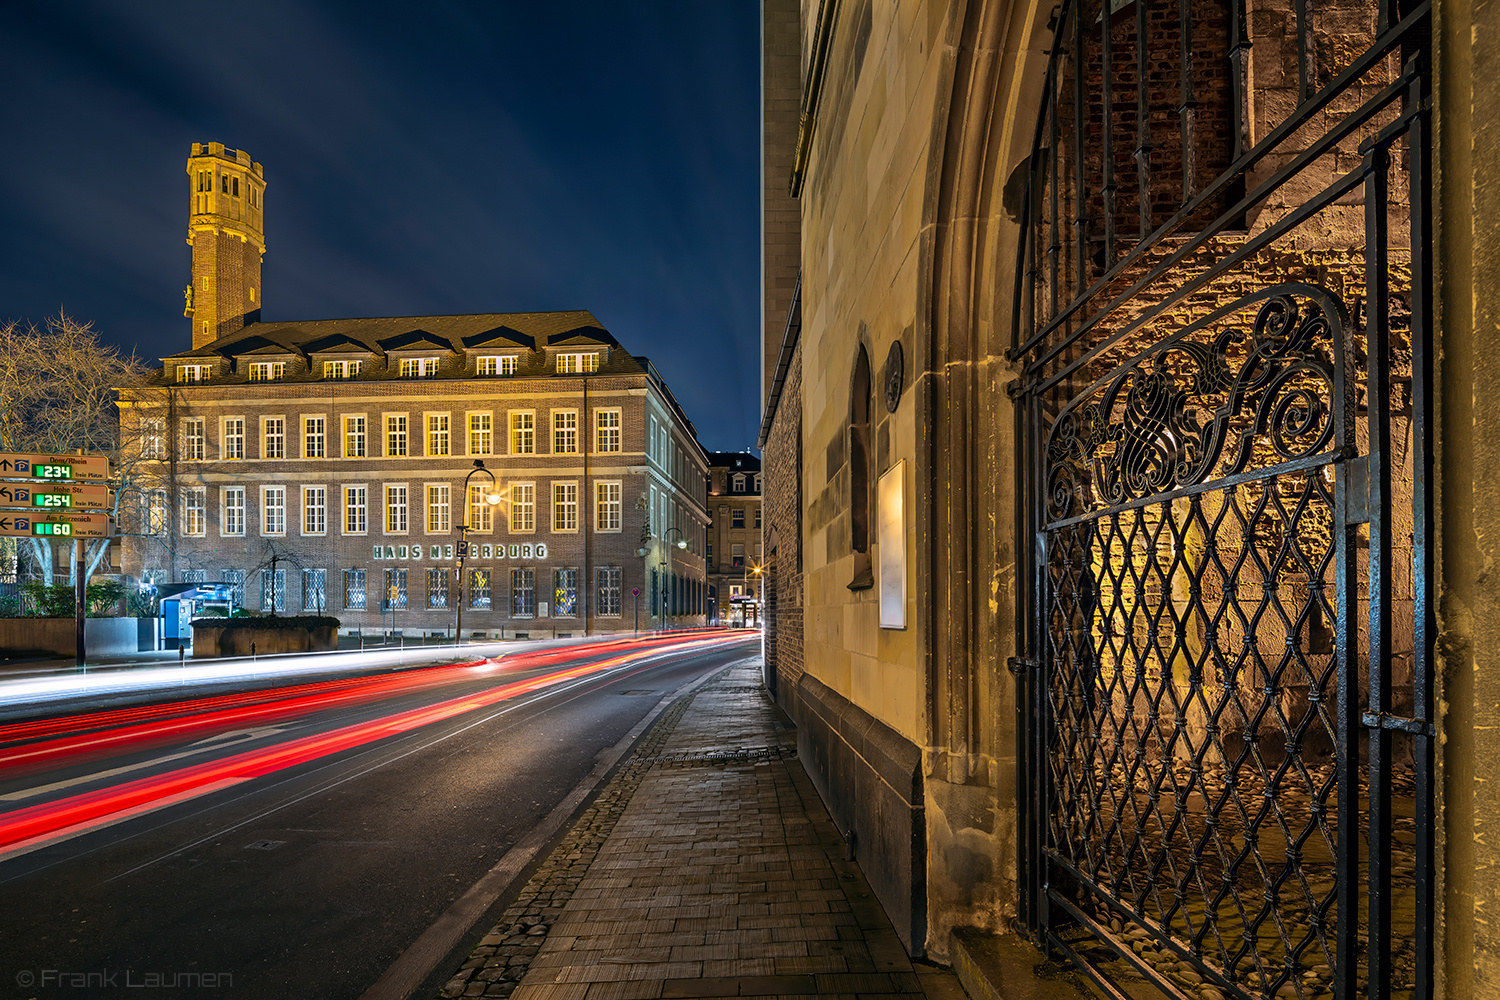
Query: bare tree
(58, 388)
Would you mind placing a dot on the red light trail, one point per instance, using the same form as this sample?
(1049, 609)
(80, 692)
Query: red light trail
(31, 826)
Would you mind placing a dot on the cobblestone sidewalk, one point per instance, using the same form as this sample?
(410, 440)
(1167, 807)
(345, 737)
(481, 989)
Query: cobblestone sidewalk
(707, 868)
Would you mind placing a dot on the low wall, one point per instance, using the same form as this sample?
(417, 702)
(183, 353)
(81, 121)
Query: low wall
(214, 638)
(59, 636)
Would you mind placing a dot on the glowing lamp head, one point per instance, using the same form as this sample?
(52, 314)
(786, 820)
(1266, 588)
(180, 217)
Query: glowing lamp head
(492, 499)
(682, 543)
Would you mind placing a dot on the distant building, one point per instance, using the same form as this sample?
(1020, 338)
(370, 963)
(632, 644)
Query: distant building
(321, 466)
(735, 561)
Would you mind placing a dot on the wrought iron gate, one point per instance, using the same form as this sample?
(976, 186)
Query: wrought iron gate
(1224, 338)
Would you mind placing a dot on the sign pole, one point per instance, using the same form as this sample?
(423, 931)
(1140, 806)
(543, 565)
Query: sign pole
(82, 592)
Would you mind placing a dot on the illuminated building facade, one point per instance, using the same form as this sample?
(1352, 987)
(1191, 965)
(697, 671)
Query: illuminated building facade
(321, 466)
(735, 556)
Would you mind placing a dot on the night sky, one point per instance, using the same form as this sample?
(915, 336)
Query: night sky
(420, 159)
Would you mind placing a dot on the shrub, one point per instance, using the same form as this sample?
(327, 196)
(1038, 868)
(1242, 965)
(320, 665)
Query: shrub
(279, 622)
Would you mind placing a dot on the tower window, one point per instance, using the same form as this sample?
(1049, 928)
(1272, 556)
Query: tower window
(225, 179)
(236, 187)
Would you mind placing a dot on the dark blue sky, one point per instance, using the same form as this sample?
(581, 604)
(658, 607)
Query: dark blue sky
(420, 159)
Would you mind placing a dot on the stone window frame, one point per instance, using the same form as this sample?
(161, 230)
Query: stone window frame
(363, 433)
(266, 507)
(226, 437)
(266, 437)
(307, 510)
(225, 507)
(514, 431)
(388, 509)
(446, 507)
(617, 432)
(564, 412)
(307, 434)
(428, 417)
(561, 506)
(345, 508)
(488, 431)
(388, 433)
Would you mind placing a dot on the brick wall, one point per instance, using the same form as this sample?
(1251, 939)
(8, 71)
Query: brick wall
(783, 536)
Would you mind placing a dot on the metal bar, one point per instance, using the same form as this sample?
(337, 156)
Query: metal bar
(1239, 78)
(1054, 181)
(1187, 107)
(1423, 526)
(1303, 76)
(1107, 99)
(1080, 187)
(1378, 647)
(1142, 130)
(1274, 138)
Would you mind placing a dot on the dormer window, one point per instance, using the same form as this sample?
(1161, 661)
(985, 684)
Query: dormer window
(342, 369)
(573, 364)
(504, 364)
(194, 373)
(739, 482)
(267, 371)
(418, 367)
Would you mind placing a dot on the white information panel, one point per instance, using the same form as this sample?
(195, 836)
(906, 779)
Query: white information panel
(891, 523)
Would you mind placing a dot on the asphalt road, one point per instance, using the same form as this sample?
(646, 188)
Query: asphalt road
(308, 880)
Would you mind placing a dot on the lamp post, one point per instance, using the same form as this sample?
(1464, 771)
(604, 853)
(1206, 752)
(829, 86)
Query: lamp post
(492, 498)
(681, 543)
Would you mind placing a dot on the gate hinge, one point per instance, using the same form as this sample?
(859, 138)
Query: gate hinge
(1357, 490)
(1020, 665)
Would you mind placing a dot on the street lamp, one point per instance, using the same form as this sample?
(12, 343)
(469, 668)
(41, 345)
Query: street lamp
(681, 543)
(492, 498)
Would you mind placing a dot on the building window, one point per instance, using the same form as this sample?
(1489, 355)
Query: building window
(481, 517)
(395, 435)
(737, 555)
(437, 433)
(607, 430)
(267, 371)
(522, 507)
(479, 589)
(395, 590)
(437, 589)
(481, 438)
(606, 506)
(523, 592)
(737, 518)
(273, 510)
(565, 593)
(523, 433)
(236, 580)
(192, 439)
(395, 510)
(354, 589)
(757, 518)
(314, 510)
(312, 437)
(564, 432)
(564, 506)
(194, 373)
(315, 590)
(342, 369)
(739, 482)
(233, 520)
(153, 430)
(234, 437)
(757, 483)
(355, 519)
(418, 367)
(273, 590)
(437, 508)
(193, 503)
(273, 437)
(354, 437)
(608, 601)
(504, 364)
(573, 364)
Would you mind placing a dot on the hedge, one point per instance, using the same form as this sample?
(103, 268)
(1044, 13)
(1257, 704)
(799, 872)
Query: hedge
(269, 622)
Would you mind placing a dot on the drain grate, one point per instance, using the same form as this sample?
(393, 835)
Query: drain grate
(637, 692)
(264, 845)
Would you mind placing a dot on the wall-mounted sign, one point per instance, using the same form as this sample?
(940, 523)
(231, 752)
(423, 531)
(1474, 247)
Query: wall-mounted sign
(477, 550)
(891, 523)
(54, 524)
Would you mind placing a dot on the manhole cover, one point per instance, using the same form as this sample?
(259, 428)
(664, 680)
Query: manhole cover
(264, 845)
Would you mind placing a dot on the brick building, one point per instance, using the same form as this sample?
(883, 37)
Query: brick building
(322, 465)
(735, 559)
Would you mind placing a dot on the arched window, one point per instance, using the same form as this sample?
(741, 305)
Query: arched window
(859, 472)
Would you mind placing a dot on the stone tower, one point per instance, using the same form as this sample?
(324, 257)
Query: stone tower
(226, 232)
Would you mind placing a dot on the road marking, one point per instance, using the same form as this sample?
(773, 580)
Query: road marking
(194, 749)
